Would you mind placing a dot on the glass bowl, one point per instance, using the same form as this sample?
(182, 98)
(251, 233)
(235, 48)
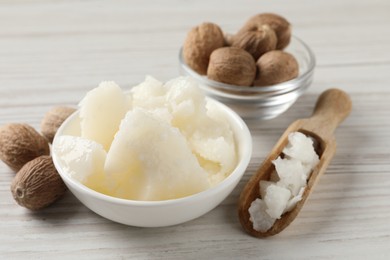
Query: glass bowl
(263, 102)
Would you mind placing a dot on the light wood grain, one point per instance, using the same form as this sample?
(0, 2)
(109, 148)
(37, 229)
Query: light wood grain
(53, 52)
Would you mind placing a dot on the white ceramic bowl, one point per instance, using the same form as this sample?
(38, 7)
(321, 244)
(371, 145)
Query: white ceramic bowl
(159, 213)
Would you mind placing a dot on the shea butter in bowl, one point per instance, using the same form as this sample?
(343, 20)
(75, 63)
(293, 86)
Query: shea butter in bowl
(173, 156)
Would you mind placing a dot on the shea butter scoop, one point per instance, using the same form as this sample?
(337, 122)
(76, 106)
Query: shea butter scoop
(332, 107)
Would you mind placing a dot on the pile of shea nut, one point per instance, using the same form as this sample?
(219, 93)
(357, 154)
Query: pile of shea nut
(37, 183)
(253, 56)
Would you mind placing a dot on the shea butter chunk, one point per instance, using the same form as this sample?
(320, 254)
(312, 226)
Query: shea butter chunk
(150, 94)
(300, 147)
(152, 161)
(83, 160)
(276, 199)
(291, 174)
(259, 217)
(101, 112)
(214, 144)
(294, 200)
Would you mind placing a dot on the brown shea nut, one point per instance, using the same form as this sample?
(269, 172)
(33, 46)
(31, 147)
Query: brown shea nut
(37, 184)
(200, 42)
(19, 144)
(232, 65)
(53, 120)
(256, 42)
(276, 67)
(277, 23)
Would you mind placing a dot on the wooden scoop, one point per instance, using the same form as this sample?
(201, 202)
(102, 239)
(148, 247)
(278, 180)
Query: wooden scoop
(332, 107)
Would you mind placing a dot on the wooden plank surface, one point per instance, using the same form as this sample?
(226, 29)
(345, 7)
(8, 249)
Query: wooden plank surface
(53, 52)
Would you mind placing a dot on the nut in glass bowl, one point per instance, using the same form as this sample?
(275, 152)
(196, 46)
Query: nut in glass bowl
(261, 102)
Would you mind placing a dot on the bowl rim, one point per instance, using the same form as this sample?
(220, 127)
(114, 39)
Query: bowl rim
(237, 173)
(280, 88)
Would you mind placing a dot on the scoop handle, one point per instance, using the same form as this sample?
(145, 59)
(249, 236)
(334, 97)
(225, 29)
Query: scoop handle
(332, 107)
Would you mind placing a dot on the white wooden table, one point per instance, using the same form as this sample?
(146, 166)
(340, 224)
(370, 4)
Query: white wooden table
(53, 52)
